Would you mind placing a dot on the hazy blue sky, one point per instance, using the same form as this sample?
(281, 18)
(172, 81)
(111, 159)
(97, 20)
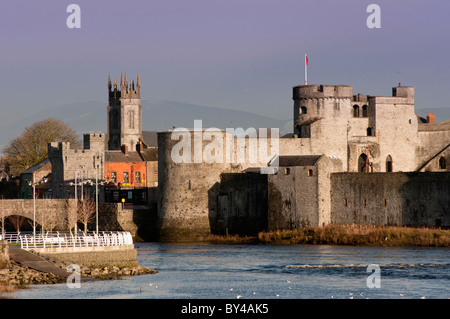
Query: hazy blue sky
(236, 54)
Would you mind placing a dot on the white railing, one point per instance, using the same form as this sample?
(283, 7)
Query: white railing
(91, 239)
(13, 237)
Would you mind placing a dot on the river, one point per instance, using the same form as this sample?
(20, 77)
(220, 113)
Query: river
(212, 271)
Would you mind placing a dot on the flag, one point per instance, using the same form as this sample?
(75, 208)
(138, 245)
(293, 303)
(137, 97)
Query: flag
(306, 59)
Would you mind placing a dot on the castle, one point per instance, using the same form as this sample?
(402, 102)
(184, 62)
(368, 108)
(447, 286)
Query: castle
(335, 132)
(350, 159)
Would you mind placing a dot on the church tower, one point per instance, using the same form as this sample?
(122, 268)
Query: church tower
(124, 113)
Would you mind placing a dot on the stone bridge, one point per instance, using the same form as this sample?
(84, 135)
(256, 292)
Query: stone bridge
(50, 213)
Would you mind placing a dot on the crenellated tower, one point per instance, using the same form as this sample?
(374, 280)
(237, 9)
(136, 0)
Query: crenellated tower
(321, 114)
(124, 113)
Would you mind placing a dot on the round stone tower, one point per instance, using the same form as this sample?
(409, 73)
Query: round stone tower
(188, 189)
(321, 115)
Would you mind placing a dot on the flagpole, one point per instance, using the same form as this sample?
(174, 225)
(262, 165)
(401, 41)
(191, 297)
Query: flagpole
(306, 70)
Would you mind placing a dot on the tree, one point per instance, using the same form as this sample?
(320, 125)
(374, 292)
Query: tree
(17, 221)
(72, 215)
(86, 211)
(31, 147)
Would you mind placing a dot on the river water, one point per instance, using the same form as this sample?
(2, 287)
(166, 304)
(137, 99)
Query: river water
(211, 271)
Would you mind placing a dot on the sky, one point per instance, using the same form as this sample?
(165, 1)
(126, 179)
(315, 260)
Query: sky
(234, 54)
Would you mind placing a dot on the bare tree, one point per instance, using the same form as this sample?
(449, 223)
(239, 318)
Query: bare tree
(16, 221)
(53, 218)
(72, 215)
(86, 211)
(31, 147)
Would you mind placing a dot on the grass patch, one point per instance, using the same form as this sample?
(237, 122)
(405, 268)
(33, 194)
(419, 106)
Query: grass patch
(358, 235)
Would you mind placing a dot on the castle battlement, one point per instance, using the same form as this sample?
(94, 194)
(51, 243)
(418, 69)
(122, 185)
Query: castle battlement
(94, 141)
(315, 91)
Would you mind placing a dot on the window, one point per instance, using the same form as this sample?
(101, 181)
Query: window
(114, 177)
(137, 178)
(389, 164)
(364, 110)
(310, 172)
(355, 110)
(442, 163)
(363, 163)
(345, 202)
(125, 177)
(303, 110)
(369, 131)
(287, 171)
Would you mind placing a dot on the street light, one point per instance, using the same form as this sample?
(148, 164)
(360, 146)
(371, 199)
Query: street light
(90, 182)
(96, 201)
(34, 203)
(34, 183)
(76, 195)
(82, 182)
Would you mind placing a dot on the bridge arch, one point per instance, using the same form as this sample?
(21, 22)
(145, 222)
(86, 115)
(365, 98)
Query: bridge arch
(49, 213)
(16, 223)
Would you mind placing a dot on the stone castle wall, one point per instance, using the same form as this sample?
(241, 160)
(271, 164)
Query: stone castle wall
(398, 199)
(67, 163)
(188, 191)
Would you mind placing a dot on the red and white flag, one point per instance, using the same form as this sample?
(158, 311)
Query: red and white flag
(306, 59)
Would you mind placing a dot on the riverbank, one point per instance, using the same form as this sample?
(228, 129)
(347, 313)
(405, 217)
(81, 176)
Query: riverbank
(16, 276)
(359, 235)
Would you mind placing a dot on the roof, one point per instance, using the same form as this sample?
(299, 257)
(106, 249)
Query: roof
(298, 160)
(150, 138)
(119, 156)
(441, 126)
(36, 167)
(149, 154)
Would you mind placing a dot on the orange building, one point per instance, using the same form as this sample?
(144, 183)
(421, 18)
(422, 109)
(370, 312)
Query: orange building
(126, 176)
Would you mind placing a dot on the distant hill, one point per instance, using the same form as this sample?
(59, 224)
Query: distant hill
(157, 115)
(160, 115)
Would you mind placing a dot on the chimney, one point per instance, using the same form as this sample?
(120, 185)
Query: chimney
(125, 149)
(431, 118)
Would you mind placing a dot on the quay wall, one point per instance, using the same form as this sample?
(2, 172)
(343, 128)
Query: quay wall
(109, 256)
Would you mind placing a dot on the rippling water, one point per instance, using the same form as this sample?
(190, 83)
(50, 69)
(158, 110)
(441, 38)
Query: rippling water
(271, 271)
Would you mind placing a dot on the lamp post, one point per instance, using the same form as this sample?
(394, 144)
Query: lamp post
(76, 197)
(96, 201)
(33, 183)
(90, 182)
(34, 203)
(82, 182)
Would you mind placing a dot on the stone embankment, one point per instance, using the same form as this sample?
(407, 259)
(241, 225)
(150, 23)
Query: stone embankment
(104, 272)
(16, 276)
